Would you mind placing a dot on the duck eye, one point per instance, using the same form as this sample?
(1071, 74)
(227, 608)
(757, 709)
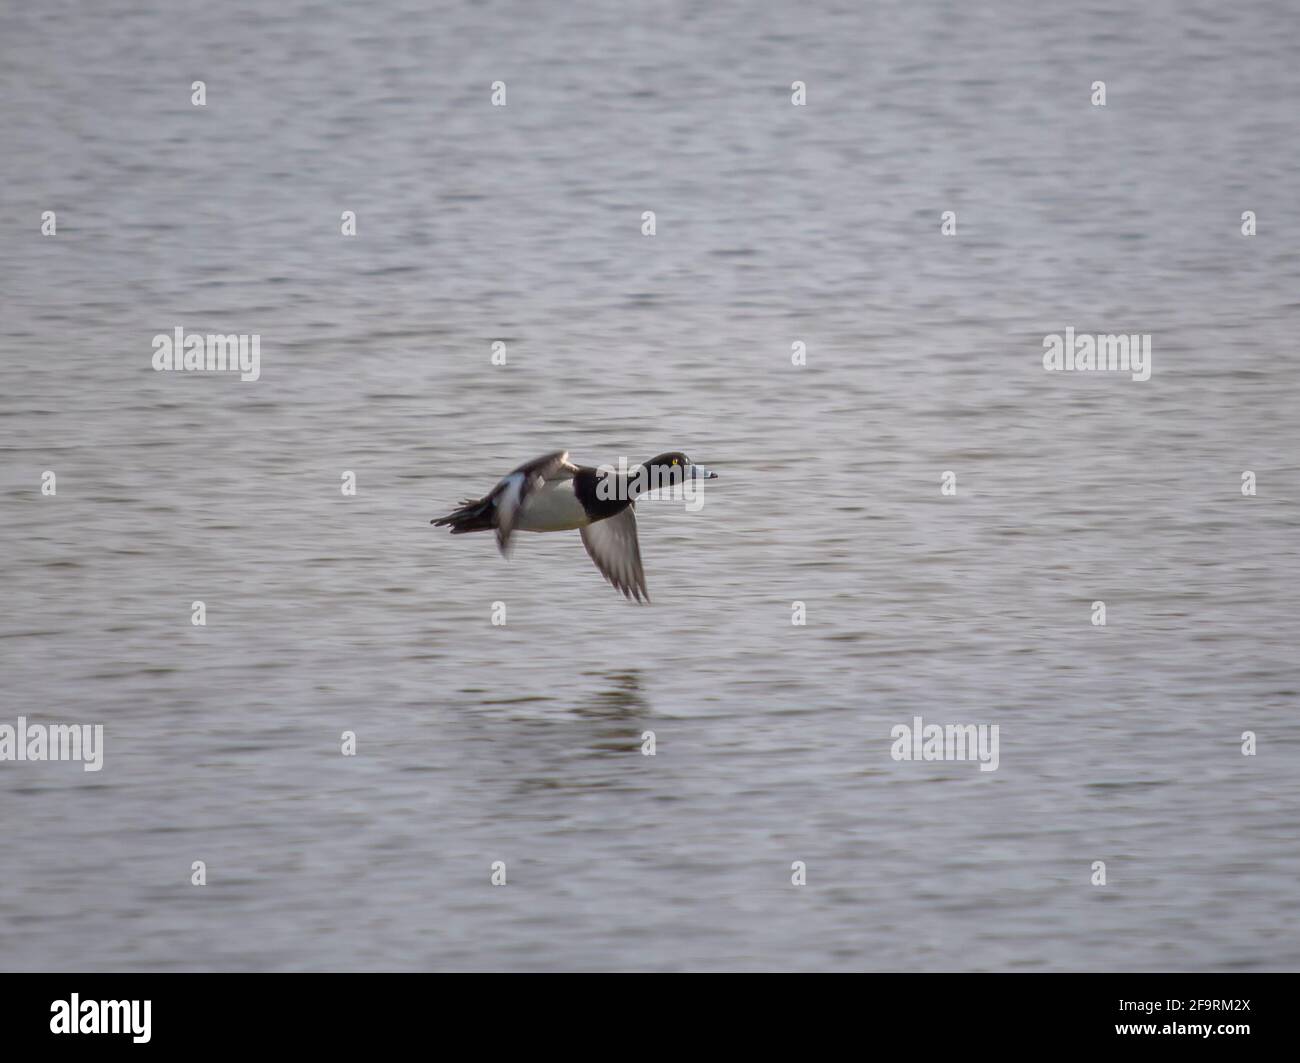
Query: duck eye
(674, 461)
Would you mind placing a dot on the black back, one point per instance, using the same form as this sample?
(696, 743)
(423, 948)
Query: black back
(586, 486)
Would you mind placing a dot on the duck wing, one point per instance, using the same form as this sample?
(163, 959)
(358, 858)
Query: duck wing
(510, 494)
(613, 545)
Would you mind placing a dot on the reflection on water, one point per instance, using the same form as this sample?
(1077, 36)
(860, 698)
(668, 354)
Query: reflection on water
(619, 698)
(776, 225)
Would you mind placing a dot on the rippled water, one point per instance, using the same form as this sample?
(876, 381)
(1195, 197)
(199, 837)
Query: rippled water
(775, 224)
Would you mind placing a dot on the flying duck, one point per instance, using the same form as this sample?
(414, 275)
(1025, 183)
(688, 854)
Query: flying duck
(552, 494)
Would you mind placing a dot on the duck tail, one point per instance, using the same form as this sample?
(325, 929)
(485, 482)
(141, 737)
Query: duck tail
(474, 514)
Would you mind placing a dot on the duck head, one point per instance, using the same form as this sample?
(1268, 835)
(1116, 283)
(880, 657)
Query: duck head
(671, 468)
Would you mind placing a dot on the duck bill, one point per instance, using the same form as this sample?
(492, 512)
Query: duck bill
(699, 472)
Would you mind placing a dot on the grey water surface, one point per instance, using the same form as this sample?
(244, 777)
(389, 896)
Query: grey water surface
(775, 225)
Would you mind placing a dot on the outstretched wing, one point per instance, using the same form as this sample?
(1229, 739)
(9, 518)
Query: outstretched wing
(613, 545)
(509, 495)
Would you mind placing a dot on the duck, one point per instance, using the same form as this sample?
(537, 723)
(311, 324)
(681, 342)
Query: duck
(552, 494)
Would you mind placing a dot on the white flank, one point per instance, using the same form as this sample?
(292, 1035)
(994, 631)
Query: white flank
(552, 507)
